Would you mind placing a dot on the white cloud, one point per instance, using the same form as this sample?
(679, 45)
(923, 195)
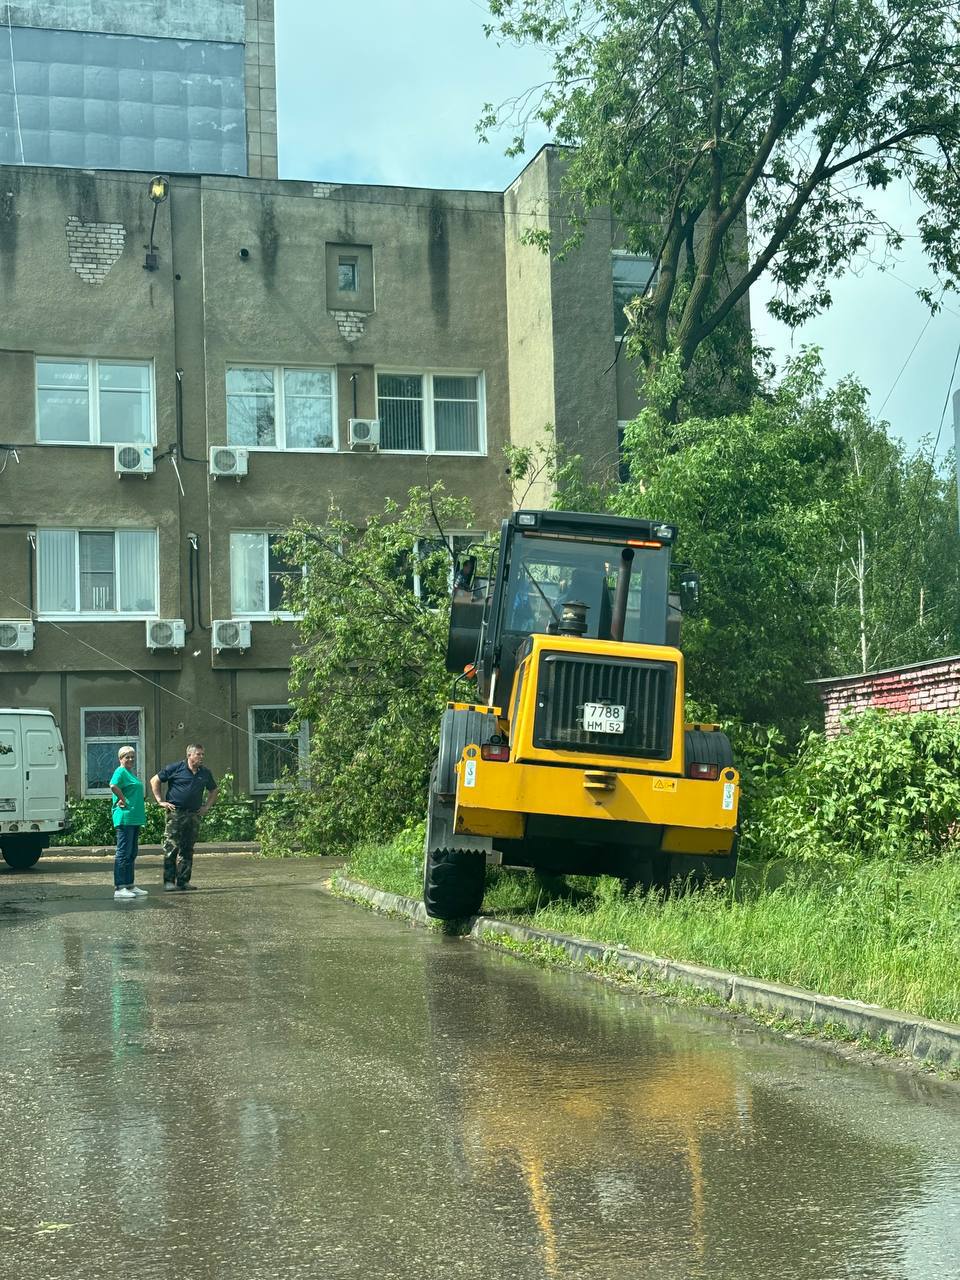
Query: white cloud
(383, 93)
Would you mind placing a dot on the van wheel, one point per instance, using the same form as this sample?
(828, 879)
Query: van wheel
(22, 854)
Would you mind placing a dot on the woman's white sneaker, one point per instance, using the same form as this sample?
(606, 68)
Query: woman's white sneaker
(125, 895)
(137, 891)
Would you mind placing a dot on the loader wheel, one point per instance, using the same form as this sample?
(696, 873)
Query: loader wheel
(646, 871)
(453, 883)
(453, 879)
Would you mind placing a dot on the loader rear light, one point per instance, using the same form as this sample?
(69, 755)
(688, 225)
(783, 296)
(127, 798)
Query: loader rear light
(705, 772)
(495, 751)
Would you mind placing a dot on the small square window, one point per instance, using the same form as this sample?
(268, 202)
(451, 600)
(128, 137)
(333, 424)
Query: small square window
(348, 275)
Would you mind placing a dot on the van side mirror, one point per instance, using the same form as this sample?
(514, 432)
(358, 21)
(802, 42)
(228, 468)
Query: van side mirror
(690, 592)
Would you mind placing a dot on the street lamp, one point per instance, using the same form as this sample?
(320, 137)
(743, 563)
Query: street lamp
(158, 191)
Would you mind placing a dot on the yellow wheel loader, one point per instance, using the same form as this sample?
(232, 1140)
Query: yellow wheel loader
(574, 757)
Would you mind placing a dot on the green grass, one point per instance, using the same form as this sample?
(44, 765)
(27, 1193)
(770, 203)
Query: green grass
(885, 933)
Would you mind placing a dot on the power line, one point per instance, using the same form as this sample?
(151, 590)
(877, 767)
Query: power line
(109, 657)
(905, 363)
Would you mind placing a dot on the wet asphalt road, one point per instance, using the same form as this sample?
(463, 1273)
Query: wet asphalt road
(258, 1081)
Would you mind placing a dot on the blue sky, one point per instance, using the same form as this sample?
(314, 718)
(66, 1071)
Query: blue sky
(382, 92)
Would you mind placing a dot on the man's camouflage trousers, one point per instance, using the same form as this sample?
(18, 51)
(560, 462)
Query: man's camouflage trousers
(179, 837)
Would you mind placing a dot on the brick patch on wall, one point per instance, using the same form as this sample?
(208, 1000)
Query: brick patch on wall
(350, 323)
(929, 686)
(94, 247)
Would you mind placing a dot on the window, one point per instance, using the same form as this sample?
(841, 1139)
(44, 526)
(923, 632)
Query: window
(97, 572)
(631, 276)
(258, 574)
(431, 412)
(348, 275)
(104, 730)
(279, 408)
(275, 750)
(433, 584)
(349, 270)
(94, 402)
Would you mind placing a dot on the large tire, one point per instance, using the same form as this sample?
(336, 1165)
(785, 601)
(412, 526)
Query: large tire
(453, 879)
(453, 883)
(707, 747)
(646, 870)
(22, 853)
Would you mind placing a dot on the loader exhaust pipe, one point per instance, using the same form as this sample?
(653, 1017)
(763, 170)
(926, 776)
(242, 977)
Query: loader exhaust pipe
(618, 621)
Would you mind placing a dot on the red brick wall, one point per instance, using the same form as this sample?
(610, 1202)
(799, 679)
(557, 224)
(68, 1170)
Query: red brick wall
(932, 686)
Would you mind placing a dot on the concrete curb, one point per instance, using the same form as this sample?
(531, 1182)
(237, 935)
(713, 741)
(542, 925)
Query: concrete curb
(934, 1042)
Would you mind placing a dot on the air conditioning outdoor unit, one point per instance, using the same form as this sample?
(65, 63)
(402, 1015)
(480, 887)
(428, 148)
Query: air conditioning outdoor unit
(364, 434)
(230, 634)
(133, 459)
(16, 636)
(165, 633)
(225, 460)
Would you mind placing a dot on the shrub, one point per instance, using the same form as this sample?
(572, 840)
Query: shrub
(887, 787)
(231, 818)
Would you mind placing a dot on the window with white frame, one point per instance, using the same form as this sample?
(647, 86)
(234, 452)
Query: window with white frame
(94, 401)
(431, 412)
(281, 408)
(632, 274)
(103, 573)
(259, 574)
(103, 731)
(277, 752)
(434, 588)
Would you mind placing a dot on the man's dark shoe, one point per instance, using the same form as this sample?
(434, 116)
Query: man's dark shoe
(184, 887)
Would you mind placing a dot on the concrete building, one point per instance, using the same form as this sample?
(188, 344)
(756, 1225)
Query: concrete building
(183, 86)
(271, 314)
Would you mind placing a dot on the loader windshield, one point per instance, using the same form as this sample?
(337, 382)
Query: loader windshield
(546, 571)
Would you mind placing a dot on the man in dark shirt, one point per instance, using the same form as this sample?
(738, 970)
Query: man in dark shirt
(186, 780)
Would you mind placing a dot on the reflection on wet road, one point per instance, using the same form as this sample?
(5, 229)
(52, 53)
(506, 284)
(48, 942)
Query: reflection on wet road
(257, 1081)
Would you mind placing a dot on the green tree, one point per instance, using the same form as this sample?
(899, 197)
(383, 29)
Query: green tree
(757, 500)
(896, 589)
(369, 672)
(690, 116)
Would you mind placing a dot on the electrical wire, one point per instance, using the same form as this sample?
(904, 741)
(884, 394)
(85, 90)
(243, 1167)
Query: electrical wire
(13, 74)
(109, 657)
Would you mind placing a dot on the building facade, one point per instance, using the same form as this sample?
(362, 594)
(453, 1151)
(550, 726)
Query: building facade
(270, 314)
(183, 86)
(922, 686)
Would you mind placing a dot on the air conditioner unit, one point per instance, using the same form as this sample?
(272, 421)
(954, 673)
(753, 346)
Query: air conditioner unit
(133, 459)
(165, 633)
(230, 634)
(364, 434)
(16, 636)
(225, 460)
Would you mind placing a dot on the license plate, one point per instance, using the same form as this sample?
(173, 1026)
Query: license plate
(603, 717)
(7, 806)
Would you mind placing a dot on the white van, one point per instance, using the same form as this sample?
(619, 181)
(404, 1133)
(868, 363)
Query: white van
(33, 784)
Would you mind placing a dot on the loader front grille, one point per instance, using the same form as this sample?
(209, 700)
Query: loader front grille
(646, 689)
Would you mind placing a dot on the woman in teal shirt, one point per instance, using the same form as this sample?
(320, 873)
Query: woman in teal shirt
(129, 816)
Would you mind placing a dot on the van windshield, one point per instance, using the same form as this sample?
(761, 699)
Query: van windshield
(545, 572)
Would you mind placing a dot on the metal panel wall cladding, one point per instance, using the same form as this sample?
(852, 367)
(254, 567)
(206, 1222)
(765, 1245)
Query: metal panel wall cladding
(645, 688)
(87, 99)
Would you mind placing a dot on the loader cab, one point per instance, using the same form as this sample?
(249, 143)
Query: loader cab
(547, 559)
